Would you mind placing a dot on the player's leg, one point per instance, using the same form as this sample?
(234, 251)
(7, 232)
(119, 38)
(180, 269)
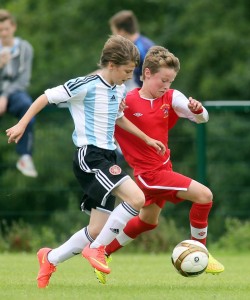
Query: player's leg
(109, 178)
(145, 221)
(157, 187)
(133, 200)
(202, 198)
(49, 258)
(75, 244)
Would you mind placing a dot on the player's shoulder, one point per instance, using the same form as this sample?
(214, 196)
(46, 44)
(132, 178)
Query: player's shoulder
(172, 95)
(89, 78)
(178, 94)
(82, 81)
(132, 94)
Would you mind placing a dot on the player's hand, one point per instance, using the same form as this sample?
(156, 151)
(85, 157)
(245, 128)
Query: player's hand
(160, 148)
(122, 105)
(194, 105)
(15, 133)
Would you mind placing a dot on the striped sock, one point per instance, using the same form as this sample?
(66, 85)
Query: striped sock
(71, 247)
(115, 224)
(134, 227)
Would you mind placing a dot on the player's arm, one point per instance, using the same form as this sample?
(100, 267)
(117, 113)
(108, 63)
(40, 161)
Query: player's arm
(125, 124)
(189, 108)
(16, 132)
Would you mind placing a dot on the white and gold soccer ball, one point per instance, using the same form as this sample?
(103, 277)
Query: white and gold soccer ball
(190, 258)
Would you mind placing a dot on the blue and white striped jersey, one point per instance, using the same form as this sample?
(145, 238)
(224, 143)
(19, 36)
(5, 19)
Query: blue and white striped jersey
(94, 107)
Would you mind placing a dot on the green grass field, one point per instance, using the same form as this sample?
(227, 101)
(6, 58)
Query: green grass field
(133, 277)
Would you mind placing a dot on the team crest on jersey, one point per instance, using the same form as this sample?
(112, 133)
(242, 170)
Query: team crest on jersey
(165, 109)
(115, 170)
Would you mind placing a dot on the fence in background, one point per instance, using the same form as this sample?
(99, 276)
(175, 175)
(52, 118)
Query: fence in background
(202, 143)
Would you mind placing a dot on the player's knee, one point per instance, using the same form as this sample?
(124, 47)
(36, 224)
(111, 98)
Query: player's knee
(208, 195)
(137, 200)
(205, 196)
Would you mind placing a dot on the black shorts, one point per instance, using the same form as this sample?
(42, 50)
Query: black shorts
(87, 203)
(98, 174)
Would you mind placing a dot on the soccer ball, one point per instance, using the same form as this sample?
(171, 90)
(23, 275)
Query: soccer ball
(190, 258)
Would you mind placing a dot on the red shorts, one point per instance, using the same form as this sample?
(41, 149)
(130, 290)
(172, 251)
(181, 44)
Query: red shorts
(161, 185)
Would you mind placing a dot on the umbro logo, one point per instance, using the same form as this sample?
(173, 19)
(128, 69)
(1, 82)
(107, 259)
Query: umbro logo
(138, 114)
(201, 233)
(115, 230)
(113, 98)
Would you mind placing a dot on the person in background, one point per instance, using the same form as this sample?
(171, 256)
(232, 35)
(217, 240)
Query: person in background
(16, 57)
(126, 24)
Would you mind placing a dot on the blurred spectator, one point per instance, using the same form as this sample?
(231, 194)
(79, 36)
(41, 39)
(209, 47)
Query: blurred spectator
(16, 57)
(126, 24)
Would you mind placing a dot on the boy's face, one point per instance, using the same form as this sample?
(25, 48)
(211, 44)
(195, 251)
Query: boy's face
(7, 31)
(159, 83)
(120, 74)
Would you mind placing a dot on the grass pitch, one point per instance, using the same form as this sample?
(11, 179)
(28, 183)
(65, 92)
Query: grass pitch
(133, 276)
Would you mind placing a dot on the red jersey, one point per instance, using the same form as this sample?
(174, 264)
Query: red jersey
(155, 118)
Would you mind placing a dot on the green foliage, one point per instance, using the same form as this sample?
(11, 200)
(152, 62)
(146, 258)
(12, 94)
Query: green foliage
(213, 46)
(42, 237)
(162, 239)
(56, 186)
(20, 236)
(16, 238)
(228, 159)
(23, 237)
(236, 237)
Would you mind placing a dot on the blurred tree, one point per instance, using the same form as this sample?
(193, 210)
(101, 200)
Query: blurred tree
(212, 41)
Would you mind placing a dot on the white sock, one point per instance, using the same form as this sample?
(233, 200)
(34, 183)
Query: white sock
(124, 239)
(71, 247)
(115, 224)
